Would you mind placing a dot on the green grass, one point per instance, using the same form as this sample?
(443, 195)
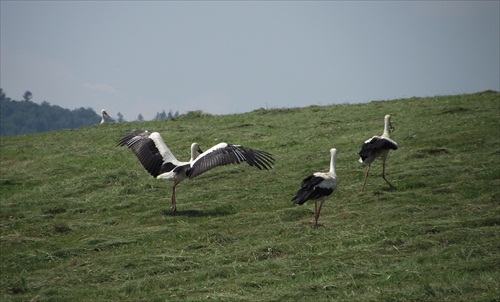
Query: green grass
(81, 220)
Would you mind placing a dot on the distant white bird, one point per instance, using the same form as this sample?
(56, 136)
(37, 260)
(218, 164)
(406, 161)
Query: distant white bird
(159, 161)
(318, 187)
(378, 146)
(103, 114)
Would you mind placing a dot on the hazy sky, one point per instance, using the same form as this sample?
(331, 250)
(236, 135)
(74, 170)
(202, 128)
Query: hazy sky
(235, 56)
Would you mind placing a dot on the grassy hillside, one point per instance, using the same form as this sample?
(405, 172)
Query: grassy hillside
(81, 220)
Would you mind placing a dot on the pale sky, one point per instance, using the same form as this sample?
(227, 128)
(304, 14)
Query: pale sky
(225, 57)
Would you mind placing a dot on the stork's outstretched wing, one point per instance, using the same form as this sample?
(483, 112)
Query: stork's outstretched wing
(149, 148)
(225, 154)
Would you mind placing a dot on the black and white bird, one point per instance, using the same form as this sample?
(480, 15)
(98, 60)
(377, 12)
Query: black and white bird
(159, 161)
(378, 146)
(104, 114)
(318, 187)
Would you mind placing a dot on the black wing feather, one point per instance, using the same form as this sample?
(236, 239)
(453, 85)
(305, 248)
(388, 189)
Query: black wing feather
(231, 154)
(375, 144)
(309, 190)
(131, 136)
(145, 149)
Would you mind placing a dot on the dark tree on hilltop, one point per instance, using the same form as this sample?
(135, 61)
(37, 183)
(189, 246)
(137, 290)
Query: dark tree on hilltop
(164, 116)
(3, 96)
(23, 117)
(161, 116)
(27, 96)
(120, 117)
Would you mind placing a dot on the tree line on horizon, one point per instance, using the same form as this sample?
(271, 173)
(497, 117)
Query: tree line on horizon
(25, 117)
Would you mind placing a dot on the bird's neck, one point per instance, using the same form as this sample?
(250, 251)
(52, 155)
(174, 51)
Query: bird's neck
(387, 129)
(194, 153)
(332, 162)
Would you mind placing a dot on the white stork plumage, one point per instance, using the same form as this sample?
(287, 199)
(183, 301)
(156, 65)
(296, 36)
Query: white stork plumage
(103, 115)
(318, 187)
(159, 161)
(378, 146)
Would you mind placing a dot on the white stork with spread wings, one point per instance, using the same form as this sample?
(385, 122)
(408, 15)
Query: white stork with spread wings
(378, 146)
(159, 161)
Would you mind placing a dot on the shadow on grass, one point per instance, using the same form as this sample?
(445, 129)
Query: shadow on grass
(216, 211)
(389, 189)
(381, 190)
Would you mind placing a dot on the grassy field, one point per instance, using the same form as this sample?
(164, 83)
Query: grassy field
(81, 220)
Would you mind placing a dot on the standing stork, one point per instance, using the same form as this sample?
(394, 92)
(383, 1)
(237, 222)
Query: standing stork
(103, 115)
(318, 187)
(378, 146)
(159, 161)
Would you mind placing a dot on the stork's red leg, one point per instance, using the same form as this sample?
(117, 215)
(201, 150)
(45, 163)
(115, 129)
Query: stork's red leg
(316, 214)
(174, 200)
(383, 174)
(366, 175)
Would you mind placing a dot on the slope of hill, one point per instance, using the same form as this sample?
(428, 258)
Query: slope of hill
(82, 220)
